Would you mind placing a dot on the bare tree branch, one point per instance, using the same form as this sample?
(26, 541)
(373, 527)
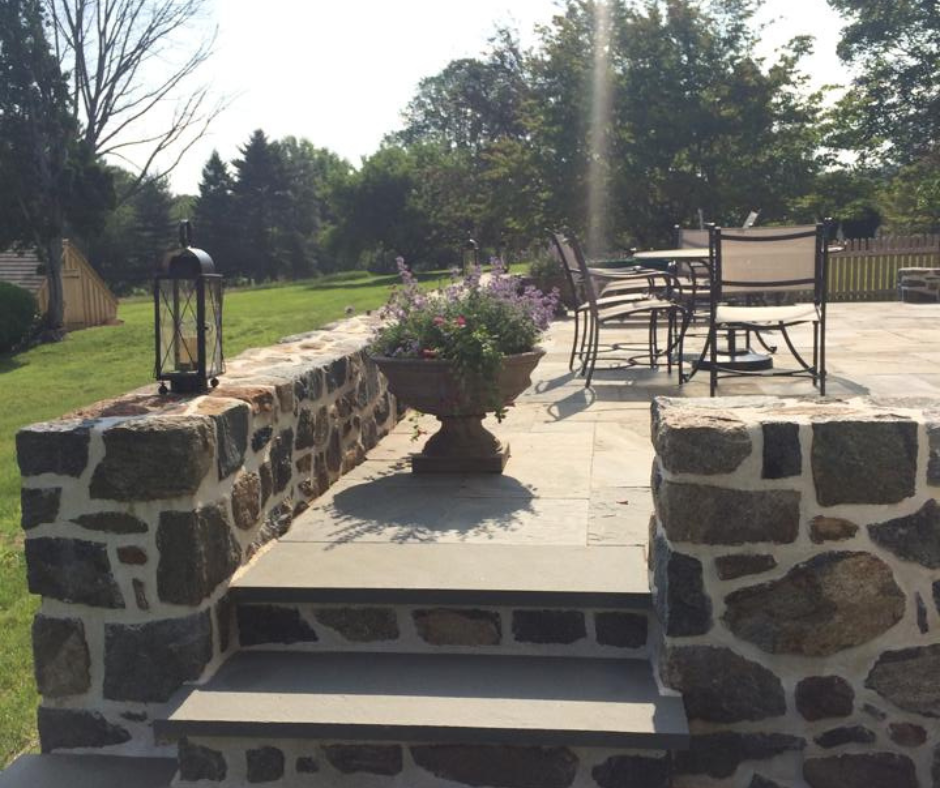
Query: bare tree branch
(123, 56)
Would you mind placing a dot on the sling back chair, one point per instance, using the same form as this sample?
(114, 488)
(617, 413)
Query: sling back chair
(597, 312)
(749, 266)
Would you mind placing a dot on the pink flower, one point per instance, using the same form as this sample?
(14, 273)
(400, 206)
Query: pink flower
(461, 321)
(439, 321)
(428, 353)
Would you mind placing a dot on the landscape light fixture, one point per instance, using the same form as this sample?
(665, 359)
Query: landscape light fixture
(187, 300)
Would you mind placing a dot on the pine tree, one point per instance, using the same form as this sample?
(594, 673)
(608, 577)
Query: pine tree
(214, 216)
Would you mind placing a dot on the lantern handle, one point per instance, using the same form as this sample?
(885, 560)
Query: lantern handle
(186, 233)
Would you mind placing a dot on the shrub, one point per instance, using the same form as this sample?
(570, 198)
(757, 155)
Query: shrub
(18, 316)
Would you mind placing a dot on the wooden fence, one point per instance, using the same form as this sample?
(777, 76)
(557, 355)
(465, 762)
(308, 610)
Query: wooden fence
(867, 269)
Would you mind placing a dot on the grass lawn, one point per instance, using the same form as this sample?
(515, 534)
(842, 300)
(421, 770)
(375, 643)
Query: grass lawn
(89, 365)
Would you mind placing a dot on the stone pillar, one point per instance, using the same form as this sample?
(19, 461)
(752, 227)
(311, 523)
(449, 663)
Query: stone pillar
(796, 569)
(137, 512)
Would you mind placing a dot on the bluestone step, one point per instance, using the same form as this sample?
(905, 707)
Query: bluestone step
(87, 771)
(432, 698)
(448, 574)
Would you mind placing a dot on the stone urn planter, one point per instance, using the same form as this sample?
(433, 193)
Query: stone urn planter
(463, 444)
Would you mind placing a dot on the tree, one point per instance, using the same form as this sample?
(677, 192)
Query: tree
(50, 182)
(124, 64)
(893, 108)
(261, 197)
(136, 235)
(471, 102)
(214, 223)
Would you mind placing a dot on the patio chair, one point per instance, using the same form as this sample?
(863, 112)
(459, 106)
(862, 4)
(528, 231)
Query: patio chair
(598, 312)
(636, 289)
(746, 267)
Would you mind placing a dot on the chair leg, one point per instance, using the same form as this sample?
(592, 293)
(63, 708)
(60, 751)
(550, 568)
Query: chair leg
(574, 343)
(713, 350)
(822, 356)
(586, 335)
(592, 352)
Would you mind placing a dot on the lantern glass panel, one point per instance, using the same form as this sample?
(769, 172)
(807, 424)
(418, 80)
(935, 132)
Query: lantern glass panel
(214, 364)
(179, 344)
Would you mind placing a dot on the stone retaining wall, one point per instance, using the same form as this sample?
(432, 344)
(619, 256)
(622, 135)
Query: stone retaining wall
(139, 510)
(796, 564)
(432, 629)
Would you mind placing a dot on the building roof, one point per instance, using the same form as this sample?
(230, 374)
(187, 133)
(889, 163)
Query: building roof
(22, 268)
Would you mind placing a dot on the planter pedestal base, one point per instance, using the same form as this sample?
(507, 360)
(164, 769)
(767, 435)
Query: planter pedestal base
(462, 445)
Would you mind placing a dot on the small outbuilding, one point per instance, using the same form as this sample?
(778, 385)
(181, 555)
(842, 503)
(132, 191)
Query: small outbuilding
(88, 301)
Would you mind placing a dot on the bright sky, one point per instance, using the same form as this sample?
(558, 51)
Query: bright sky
(340, 72)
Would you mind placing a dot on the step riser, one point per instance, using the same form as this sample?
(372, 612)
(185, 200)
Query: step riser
(438, 629)
(231, 762)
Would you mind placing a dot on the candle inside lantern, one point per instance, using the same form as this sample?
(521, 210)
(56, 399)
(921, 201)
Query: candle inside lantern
(189, 352)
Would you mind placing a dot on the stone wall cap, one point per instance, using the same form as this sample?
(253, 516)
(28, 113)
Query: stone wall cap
(806, 410)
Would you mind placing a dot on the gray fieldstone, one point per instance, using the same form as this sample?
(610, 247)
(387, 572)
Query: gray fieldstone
(321, 427)
(849, 734)
(264, 765)
(633, 771)
(759, 781)
(200, 763)
(864, 461)
(111, 523)
(731, 567)
(382, 409)
(456, 627)
(60, 656)
(783, 457)
(132, 555)
(682, 605)
(334, 452)
(822, 697)
(702, 514)
(497, 766)
(548, 626)
(260, 624)
(224, 619)
(719, 685)
(197, 552)
(361, 624)
(907, 734)
(831, 529)
(692, 440)
(307, 764)
(148, 662)
(868, 770)
(336, 374)
(383, 759)
(261, 438)
(72, 570)
(719, 755)
(246, 501)
(933, 461)
(921, 607)
(624, 630)
(39, 505)
(155, 457)
(909, 678)
(69, 729)
(232, 425)
(281, 459)
(305, 430)
(914, 537)
(936, 595)
(830, 603)
(935, 768)
(59, 447)
(267, 481)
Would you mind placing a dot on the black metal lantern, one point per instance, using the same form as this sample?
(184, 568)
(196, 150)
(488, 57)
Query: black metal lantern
(471, 254)
(187, 300)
